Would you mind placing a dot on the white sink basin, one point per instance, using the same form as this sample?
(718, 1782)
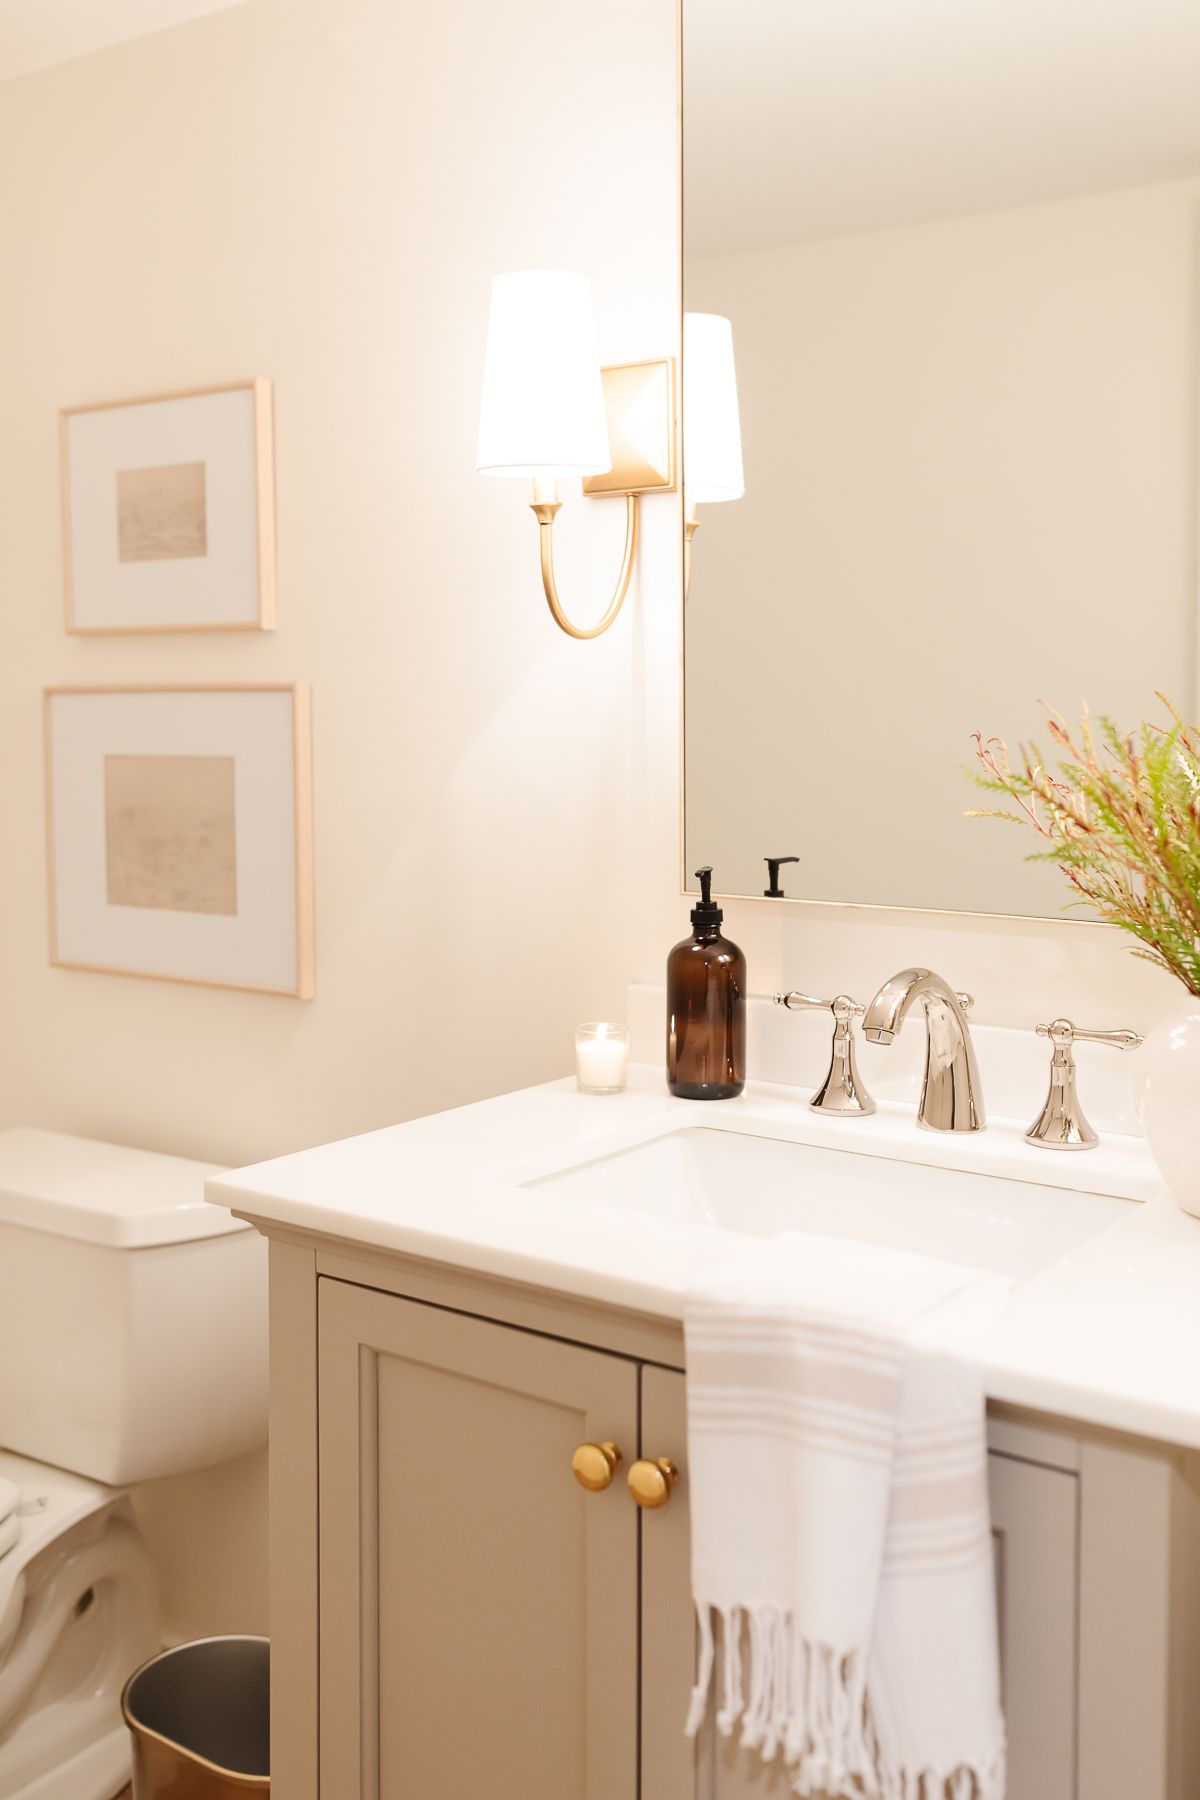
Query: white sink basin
(736, 1181)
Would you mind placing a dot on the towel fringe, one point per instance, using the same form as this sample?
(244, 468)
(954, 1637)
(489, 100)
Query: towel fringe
(986, 1782)
(704, 1671)
(810, 1701)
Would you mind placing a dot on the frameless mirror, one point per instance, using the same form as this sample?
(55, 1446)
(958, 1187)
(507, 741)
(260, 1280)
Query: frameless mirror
(957, 247)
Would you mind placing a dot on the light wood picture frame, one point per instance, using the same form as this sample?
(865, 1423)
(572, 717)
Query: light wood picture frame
(168, 512)
(179, 833)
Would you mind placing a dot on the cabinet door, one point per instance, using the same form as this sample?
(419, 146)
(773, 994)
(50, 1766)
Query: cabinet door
(1034, 1525)
(669, 1759)
(1035, 1531)
(478, 1608)
(675, 1767)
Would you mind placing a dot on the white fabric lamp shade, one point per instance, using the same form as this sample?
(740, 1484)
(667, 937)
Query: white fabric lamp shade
(712, 431)
(542, 412)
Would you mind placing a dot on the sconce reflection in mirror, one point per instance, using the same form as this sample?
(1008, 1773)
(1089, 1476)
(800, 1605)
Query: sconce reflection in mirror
(712, 432)
(549, 410)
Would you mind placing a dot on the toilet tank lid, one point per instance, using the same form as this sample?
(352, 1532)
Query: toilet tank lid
(106, 1194)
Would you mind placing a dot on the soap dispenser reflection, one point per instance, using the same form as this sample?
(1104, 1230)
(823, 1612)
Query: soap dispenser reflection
(774, 864)
(706, 1007)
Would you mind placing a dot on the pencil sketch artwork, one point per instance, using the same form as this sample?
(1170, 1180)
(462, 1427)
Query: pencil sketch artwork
(161, 513)
(171, 833)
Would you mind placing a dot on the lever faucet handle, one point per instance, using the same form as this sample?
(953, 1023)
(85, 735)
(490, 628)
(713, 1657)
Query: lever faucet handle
(1062, 1124)
(1062, 1031)
(842, 1092)
(842, 1007)
(965, 1001)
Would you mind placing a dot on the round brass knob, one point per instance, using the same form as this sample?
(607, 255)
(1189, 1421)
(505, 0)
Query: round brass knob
(650, 1483)
(594, 1465)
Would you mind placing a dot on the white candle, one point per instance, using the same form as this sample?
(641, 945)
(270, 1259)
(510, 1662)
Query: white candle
(601, 1058)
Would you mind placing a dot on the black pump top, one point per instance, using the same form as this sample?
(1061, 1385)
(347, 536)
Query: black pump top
(706, 911)
(774, 864)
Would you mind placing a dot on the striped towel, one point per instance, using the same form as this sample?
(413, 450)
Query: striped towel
(841, 1545)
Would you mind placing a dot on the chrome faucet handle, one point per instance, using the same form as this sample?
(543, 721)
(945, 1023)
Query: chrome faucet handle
(1062, 1124)
(842, 1092)
(1062, 1031)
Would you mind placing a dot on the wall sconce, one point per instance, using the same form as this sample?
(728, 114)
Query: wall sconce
(549, 409)
(712, 431)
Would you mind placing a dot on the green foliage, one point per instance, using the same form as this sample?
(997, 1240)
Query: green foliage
(1120, 815)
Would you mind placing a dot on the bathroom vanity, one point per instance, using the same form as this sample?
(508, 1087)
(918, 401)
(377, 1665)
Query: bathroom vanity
(460, 1303)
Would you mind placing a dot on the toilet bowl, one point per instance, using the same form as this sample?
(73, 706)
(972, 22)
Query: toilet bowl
(77, 1609)
(132, 1345)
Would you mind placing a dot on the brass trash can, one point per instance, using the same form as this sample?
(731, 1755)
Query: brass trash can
(200, 1718)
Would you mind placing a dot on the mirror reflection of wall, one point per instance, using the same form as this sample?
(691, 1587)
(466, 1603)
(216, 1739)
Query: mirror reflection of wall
(957, 247)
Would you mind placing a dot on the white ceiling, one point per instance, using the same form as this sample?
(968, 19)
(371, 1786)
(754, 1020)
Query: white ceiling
(807, 118)
(36, 33)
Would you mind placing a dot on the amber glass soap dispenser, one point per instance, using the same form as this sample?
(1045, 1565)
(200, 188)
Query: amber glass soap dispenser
(706, 1007)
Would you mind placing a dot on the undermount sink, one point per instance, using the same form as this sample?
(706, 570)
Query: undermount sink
(736, 1181)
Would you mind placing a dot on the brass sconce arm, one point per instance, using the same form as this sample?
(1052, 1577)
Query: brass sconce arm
(691, 525)
(547, 409)
(545, 505)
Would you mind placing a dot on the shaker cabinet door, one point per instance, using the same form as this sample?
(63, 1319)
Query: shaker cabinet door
(479, 1631)
(1035, 1533)
(670, 1761)
(674, 1767)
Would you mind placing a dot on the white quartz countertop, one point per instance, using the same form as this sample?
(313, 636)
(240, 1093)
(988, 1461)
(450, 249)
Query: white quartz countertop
(1109, 1334)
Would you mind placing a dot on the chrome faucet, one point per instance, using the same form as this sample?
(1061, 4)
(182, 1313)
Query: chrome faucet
(951, 1097)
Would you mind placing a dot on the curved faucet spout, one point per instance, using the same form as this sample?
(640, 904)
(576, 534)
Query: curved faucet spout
(889, 1009)
(951, 1098)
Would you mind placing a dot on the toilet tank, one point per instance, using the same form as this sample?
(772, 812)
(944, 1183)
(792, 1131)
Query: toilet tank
(133, 1316)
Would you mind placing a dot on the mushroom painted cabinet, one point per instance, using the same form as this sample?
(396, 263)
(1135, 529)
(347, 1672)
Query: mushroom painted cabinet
(453, 1613)
(479, 1609)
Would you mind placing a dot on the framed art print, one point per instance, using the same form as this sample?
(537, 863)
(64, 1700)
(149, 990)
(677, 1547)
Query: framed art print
(179, 834)
(168, 512)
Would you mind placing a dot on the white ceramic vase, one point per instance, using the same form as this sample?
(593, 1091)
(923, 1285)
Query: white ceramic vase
(1168, 1078)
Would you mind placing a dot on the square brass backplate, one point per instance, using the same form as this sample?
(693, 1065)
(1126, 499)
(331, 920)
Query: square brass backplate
(640, 401)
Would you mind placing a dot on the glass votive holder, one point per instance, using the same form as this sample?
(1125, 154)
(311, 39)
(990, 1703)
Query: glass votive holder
(601, 1057)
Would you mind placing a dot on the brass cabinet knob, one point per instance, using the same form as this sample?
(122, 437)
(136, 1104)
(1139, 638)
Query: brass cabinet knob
(594, 1465)
(650, 1483)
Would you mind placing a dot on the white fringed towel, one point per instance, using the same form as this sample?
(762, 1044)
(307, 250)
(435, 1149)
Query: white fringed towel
(841, 1545)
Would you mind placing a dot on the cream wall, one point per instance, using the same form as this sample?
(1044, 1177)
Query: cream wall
(319, 191)
(971, 481)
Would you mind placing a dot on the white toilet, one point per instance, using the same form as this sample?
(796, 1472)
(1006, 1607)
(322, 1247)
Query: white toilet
(133, 1328)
